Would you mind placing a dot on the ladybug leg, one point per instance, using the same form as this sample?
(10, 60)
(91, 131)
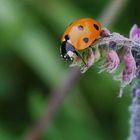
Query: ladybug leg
(79, 55)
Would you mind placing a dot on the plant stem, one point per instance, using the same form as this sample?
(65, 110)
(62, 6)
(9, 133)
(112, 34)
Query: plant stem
(135, 113)
(57, 96)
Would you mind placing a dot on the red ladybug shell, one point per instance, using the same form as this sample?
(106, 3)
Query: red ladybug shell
(82, 33)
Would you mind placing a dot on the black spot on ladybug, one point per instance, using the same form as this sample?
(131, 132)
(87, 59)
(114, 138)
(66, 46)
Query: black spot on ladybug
(96, 26)
(85, 40)
(80, 27)
(67, 37)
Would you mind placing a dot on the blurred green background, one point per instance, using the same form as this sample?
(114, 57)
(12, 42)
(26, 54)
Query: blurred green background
(30, 66)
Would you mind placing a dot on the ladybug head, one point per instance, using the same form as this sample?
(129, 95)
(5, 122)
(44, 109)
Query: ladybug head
(67, 49)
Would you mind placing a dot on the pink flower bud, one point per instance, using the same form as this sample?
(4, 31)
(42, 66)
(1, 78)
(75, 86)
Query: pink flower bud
(129, 70)
(111, 63)
(135, 33)
(130, 67)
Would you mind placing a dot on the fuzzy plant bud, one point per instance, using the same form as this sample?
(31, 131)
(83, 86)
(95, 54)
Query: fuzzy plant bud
(129, 71)
(111, 63)
(135, 33)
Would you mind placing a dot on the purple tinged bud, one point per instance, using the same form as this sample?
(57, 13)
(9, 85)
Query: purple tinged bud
(135, 33)
(112, 62)
(105, 32)
(130, 67)
(129, 70)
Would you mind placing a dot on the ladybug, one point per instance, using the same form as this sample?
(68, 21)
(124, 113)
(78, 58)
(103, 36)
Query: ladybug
(78, 36)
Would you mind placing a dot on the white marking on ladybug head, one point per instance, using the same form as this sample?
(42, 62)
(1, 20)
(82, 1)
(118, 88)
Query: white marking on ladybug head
(70, 53)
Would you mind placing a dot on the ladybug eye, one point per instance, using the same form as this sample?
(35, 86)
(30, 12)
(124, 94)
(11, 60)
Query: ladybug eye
(66, 37)
(96, 26)
(85, 40)
(80, 27)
